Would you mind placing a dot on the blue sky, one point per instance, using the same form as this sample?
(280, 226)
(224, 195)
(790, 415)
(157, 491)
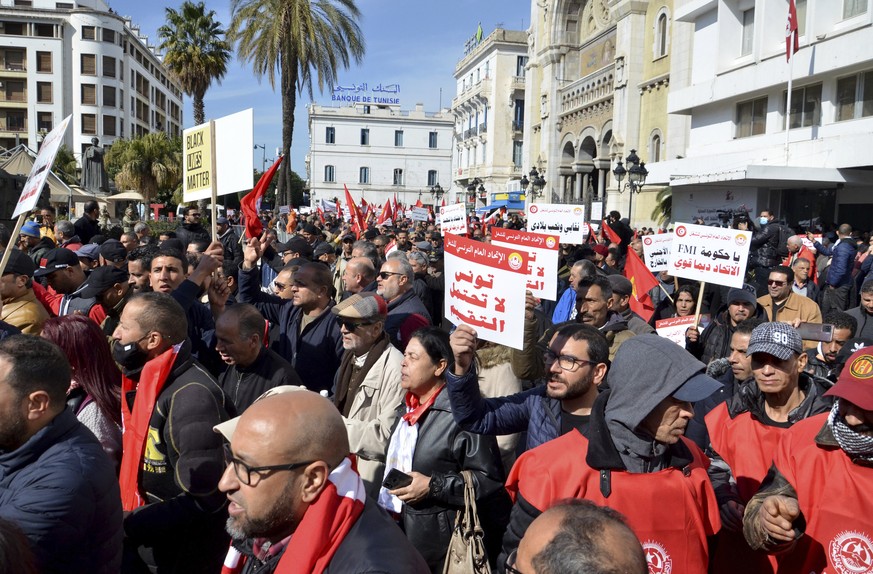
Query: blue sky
(415, 44)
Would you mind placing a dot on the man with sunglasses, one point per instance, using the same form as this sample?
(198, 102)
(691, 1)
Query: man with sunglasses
(367, 387)
(297, 504)
(782, 304)
(576, 364)
(406, 312)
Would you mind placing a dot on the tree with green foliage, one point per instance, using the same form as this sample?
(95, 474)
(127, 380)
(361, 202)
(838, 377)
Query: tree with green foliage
(663, 212)
(302, 41)
(150, 164)
(195, 51)
(65, 166)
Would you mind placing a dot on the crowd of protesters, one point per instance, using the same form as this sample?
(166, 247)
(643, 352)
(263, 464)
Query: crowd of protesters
(196, 404)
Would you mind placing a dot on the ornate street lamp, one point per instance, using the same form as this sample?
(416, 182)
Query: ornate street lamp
(436, 192)
(536, 183)
(636, 177)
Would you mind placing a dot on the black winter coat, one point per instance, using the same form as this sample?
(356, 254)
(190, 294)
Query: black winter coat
(442, 451)
(766, 244)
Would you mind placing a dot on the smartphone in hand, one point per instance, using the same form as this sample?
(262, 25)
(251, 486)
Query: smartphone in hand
(396, 479)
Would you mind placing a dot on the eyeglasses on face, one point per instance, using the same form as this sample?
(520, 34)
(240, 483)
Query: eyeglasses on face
(386, 274)
(509, 565)
(566, 362)
(775, 283)
(251, 475)
(350, 326)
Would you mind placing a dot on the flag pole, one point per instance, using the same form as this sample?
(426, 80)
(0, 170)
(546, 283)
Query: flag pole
(699, 303)
(791, 39)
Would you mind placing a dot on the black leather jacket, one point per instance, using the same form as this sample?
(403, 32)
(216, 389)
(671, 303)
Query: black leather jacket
(766, 244)
(442, 451)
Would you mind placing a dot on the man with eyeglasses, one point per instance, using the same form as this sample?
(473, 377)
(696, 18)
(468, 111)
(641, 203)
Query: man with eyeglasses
(782, 304)
(406, 312)
(297, 504)
(308, 336)
(634, 460)
(171, 460)
(367, 387)
(576, 365)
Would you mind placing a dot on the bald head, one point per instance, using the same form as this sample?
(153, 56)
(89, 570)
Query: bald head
(301, 425)
(363, 267)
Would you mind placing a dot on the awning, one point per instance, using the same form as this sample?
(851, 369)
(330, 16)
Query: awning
(126, 196)
(509, 205)
(20, 162)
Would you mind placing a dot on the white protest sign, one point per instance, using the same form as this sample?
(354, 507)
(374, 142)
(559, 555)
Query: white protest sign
(656, 248)
(485, 287)
(711, 254)
(231, 164)
(40, 170)
(674, 328)
(453, 219)
(568, 221)
(543, 254)
(419, 214)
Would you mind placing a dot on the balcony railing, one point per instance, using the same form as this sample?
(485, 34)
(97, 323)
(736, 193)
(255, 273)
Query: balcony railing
(13, 124)
(518, 126)
(588, 91)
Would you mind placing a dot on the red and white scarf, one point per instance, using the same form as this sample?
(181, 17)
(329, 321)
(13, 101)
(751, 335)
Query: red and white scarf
(152, 379)
(402, 446)
(324, 526)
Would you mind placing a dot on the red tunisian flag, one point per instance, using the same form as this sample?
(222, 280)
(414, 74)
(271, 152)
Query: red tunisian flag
(355, 212)
(643, 281)
(610, 234)
(386, 214)
(792, 41)
(249, 203)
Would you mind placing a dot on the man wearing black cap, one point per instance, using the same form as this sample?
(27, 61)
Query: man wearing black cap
(110, 287)
(313, 236)
(295, 248)
(714, 342)
(745, 430)
(113, 253)
(635, 459)
(229, 240)
(20, 306)
(65, 278)
(814, 507)
(622, 291)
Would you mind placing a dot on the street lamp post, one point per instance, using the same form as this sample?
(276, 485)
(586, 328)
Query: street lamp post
(263, 156)
(436, 193)
(636, 178)
(537, 183)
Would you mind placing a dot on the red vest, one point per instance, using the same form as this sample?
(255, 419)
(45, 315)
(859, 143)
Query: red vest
(747, 446)
(836, 498)
(672, 511)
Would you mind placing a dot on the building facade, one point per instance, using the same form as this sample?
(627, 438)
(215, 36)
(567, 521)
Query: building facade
(730, 90)
(379, 152)
(79, 58)
(489, 111)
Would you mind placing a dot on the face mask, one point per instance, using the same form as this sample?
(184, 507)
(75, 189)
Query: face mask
(129, 356)
(763, 220)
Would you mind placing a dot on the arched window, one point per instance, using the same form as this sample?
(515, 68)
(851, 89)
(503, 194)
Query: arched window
(655, 147)
(662, 34)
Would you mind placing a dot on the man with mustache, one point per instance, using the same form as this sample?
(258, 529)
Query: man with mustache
(814, 507)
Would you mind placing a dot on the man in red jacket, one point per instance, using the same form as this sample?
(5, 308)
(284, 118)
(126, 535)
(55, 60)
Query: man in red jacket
(635, 459)
(814, 508)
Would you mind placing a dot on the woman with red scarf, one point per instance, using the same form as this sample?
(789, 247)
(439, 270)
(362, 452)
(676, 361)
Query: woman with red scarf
(430, 447)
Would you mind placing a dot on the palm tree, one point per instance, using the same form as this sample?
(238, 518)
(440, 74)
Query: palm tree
(302, 40)
(663, 212)
(149, 164)
(65, 166)
(195, 51)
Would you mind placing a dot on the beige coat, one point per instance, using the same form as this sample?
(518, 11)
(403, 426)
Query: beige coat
(25, 312)
(497, 380)
(372, 416)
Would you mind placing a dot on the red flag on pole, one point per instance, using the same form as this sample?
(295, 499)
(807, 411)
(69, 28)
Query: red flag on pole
(643, 281)
(355, 213)
(592, 236)
(248, 204)
(419, 203)
(792, 41)
(386, 214)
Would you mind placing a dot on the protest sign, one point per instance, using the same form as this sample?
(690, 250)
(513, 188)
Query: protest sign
(568, 221)
(710, 254)
(674, 328)
(419, 214)
(542, 250)
(485, 289)
(217, 156)
(453, 219)
(656, 248)
(40, 170)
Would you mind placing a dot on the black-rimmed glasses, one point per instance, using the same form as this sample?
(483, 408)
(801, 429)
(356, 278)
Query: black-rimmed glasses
(386, 274)
(250, 475)
(350, 325)
(509, 565)
(566, 362)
